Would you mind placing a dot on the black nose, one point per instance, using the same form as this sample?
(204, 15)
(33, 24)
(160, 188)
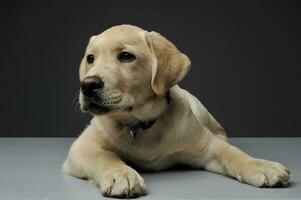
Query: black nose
(90, 85)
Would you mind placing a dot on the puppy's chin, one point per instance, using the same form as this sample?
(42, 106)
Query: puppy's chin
(103, 106)
(96, 109)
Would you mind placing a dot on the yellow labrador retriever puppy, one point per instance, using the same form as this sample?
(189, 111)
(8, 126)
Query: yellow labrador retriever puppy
(129, 80)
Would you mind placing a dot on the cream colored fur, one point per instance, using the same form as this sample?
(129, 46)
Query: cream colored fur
(184, 133)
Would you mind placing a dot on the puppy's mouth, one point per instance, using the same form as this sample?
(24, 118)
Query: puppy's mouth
(99, 106)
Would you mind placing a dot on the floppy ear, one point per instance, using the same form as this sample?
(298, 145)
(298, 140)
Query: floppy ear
(170, 65)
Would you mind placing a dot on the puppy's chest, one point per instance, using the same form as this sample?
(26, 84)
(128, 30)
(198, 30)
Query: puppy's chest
(148, 149)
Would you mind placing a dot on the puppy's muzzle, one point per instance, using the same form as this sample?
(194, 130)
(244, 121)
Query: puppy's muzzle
(91, 86)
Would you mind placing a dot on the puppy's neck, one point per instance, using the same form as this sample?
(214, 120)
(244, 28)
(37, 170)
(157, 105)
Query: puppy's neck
(152, 109)
(149, 110)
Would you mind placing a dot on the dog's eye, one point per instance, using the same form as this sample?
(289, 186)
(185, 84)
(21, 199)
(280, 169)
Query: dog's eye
(126, 57)
(90, 58)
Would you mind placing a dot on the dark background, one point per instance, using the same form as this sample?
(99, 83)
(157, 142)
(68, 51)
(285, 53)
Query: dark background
(245, 60)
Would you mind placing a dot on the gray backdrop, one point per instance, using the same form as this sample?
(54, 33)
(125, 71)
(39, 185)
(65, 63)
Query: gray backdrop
(245, 60)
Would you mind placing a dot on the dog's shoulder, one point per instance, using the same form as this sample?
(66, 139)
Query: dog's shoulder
(198, 111)
(191, 103)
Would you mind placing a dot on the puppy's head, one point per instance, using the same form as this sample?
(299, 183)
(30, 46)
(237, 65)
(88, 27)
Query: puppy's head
(124, 66)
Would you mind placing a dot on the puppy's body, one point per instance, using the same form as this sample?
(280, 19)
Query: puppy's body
(184, 131)
(165, 143)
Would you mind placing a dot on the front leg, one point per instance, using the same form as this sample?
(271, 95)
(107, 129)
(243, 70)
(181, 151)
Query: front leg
(223, 158)
(87, 159)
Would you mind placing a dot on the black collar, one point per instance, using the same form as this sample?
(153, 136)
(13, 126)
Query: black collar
(145, 124)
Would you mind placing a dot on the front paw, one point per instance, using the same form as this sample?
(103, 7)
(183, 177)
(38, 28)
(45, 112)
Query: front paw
(122, 182)
(264, 173)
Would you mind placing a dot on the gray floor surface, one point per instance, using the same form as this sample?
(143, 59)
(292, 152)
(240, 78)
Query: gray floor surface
(30, 169)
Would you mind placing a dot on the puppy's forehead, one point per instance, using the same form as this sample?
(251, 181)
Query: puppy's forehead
(119, 35)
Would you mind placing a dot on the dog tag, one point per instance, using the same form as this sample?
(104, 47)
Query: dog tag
(133, 132)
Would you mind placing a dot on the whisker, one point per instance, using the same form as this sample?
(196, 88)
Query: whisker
(77, 107)
(75, 101)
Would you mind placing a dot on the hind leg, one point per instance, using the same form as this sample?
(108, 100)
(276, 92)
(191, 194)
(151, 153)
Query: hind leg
(221, 157)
